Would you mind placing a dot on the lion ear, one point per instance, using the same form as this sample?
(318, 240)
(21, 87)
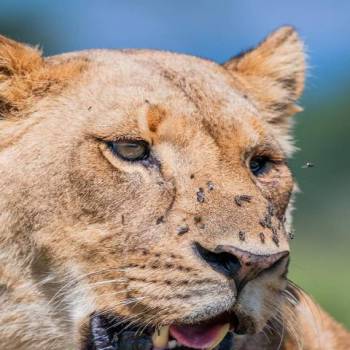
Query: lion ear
(26, 76)
(17, 64)
(273, 74)
(17, 58)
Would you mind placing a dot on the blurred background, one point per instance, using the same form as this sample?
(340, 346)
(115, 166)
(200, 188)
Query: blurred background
(217, 30)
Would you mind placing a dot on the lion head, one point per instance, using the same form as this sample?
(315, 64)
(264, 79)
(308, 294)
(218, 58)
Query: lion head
(152, 188)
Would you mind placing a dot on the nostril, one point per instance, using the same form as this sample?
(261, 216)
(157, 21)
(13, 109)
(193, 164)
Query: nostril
(223, 262)
(241, 265)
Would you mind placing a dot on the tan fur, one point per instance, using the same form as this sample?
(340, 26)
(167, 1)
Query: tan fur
(83, 231)
(26, 77)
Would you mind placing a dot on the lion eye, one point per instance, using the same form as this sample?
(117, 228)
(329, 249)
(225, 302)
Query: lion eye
(130, 150)
(259, 165)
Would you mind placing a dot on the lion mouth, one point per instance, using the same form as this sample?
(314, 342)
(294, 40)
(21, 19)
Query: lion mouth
(111, 333)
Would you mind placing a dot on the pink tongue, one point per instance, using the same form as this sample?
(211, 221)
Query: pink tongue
(196, 337)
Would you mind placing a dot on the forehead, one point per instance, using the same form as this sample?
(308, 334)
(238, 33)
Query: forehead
(119, 85)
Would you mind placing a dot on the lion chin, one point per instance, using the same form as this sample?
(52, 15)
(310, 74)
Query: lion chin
(146, 198)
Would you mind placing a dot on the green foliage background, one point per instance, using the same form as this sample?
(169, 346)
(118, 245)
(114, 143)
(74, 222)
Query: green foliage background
(321, 253)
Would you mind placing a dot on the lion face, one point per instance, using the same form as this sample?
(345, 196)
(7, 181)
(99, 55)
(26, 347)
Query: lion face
(154, 188)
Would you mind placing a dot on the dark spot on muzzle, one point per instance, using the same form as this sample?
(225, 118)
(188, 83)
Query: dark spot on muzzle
(160, 220)
(181, 230)
(241, 235)
(240, 199)
(275, 240)
(262, 237)
(210, 185)
(200, 195)
(197, 219)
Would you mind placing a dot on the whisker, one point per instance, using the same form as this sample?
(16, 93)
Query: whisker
(75, 281)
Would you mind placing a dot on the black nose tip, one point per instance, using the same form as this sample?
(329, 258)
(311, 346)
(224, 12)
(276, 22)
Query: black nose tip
(239, 264)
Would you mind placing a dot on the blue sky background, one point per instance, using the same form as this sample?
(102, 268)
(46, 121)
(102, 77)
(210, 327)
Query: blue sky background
(213, 29)
(218, 29)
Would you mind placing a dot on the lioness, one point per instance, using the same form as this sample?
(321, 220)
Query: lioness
(145, 199)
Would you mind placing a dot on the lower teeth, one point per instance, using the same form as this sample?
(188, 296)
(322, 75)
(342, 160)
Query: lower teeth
(172, 344)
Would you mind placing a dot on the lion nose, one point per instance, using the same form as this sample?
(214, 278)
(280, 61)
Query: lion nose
(239, 264)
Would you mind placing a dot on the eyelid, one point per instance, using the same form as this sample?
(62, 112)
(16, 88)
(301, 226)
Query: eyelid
(274, 154)
(125, 139)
